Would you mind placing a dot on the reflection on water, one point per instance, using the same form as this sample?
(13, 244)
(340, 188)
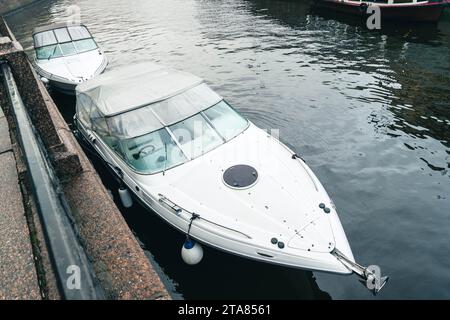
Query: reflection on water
(368, 110)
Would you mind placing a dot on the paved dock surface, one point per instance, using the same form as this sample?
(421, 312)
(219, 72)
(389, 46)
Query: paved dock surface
(118, 262)
(18, 278)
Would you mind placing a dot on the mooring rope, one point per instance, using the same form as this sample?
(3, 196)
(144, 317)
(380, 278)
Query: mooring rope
(194, 217)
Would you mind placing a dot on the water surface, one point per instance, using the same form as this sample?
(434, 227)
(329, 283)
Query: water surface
(367, 110)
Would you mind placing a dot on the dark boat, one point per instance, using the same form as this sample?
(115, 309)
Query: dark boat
(398, 10)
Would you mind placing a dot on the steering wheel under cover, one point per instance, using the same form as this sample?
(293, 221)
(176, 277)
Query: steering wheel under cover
(146, 151)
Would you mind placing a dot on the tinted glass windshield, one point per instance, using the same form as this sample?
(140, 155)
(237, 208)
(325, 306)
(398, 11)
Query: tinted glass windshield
(85, 45)
(152, 152)
(172, 145)
(67, 48)
(195, 136)
(226, 120)
(64, 41)
(160, 114)
(49, 52)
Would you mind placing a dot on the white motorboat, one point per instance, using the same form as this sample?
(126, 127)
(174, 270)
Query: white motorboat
(67, 55)
(185, 153)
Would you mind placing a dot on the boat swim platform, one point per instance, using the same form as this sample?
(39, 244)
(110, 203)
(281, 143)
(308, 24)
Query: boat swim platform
(57, 220)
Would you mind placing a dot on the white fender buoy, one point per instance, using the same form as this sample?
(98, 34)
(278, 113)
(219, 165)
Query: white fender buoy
(191, 252)
(45, 80)
(125, 197)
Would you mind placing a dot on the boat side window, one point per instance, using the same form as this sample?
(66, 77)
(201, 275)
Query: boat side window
(226, 120)
(100, 126)
(84, 106)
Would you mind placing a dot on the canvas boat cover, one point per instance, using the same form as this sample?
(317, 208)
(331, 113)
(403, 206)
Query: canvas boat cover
(59, 33)
(140, 98)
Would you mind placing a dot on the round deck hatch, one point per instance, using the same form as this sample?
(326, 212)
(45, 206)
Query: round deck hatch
(240, 176)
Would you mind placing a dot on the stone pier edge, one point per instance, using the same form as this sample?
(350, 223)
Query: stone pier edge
(120, 264)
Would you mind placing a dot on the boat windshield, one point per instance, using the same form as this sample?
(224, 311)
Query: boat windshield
(177, 143)
(63, 41)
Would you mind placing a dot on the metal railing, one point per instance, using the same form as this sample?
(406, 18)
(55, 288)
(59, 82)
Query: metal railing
(73, 271)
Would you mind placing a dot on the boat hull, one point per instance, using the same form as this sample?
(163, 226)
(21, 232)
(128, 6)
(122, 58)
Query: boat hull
(429, 12)
(64, 85)
(222, 241)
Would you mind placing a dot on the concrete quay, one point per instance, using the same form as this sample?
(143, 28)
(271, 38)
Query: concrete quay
(28, 268)
(18, 276)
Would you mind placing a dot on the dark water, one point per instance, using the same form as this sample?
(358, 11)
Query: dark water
(368, 110)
